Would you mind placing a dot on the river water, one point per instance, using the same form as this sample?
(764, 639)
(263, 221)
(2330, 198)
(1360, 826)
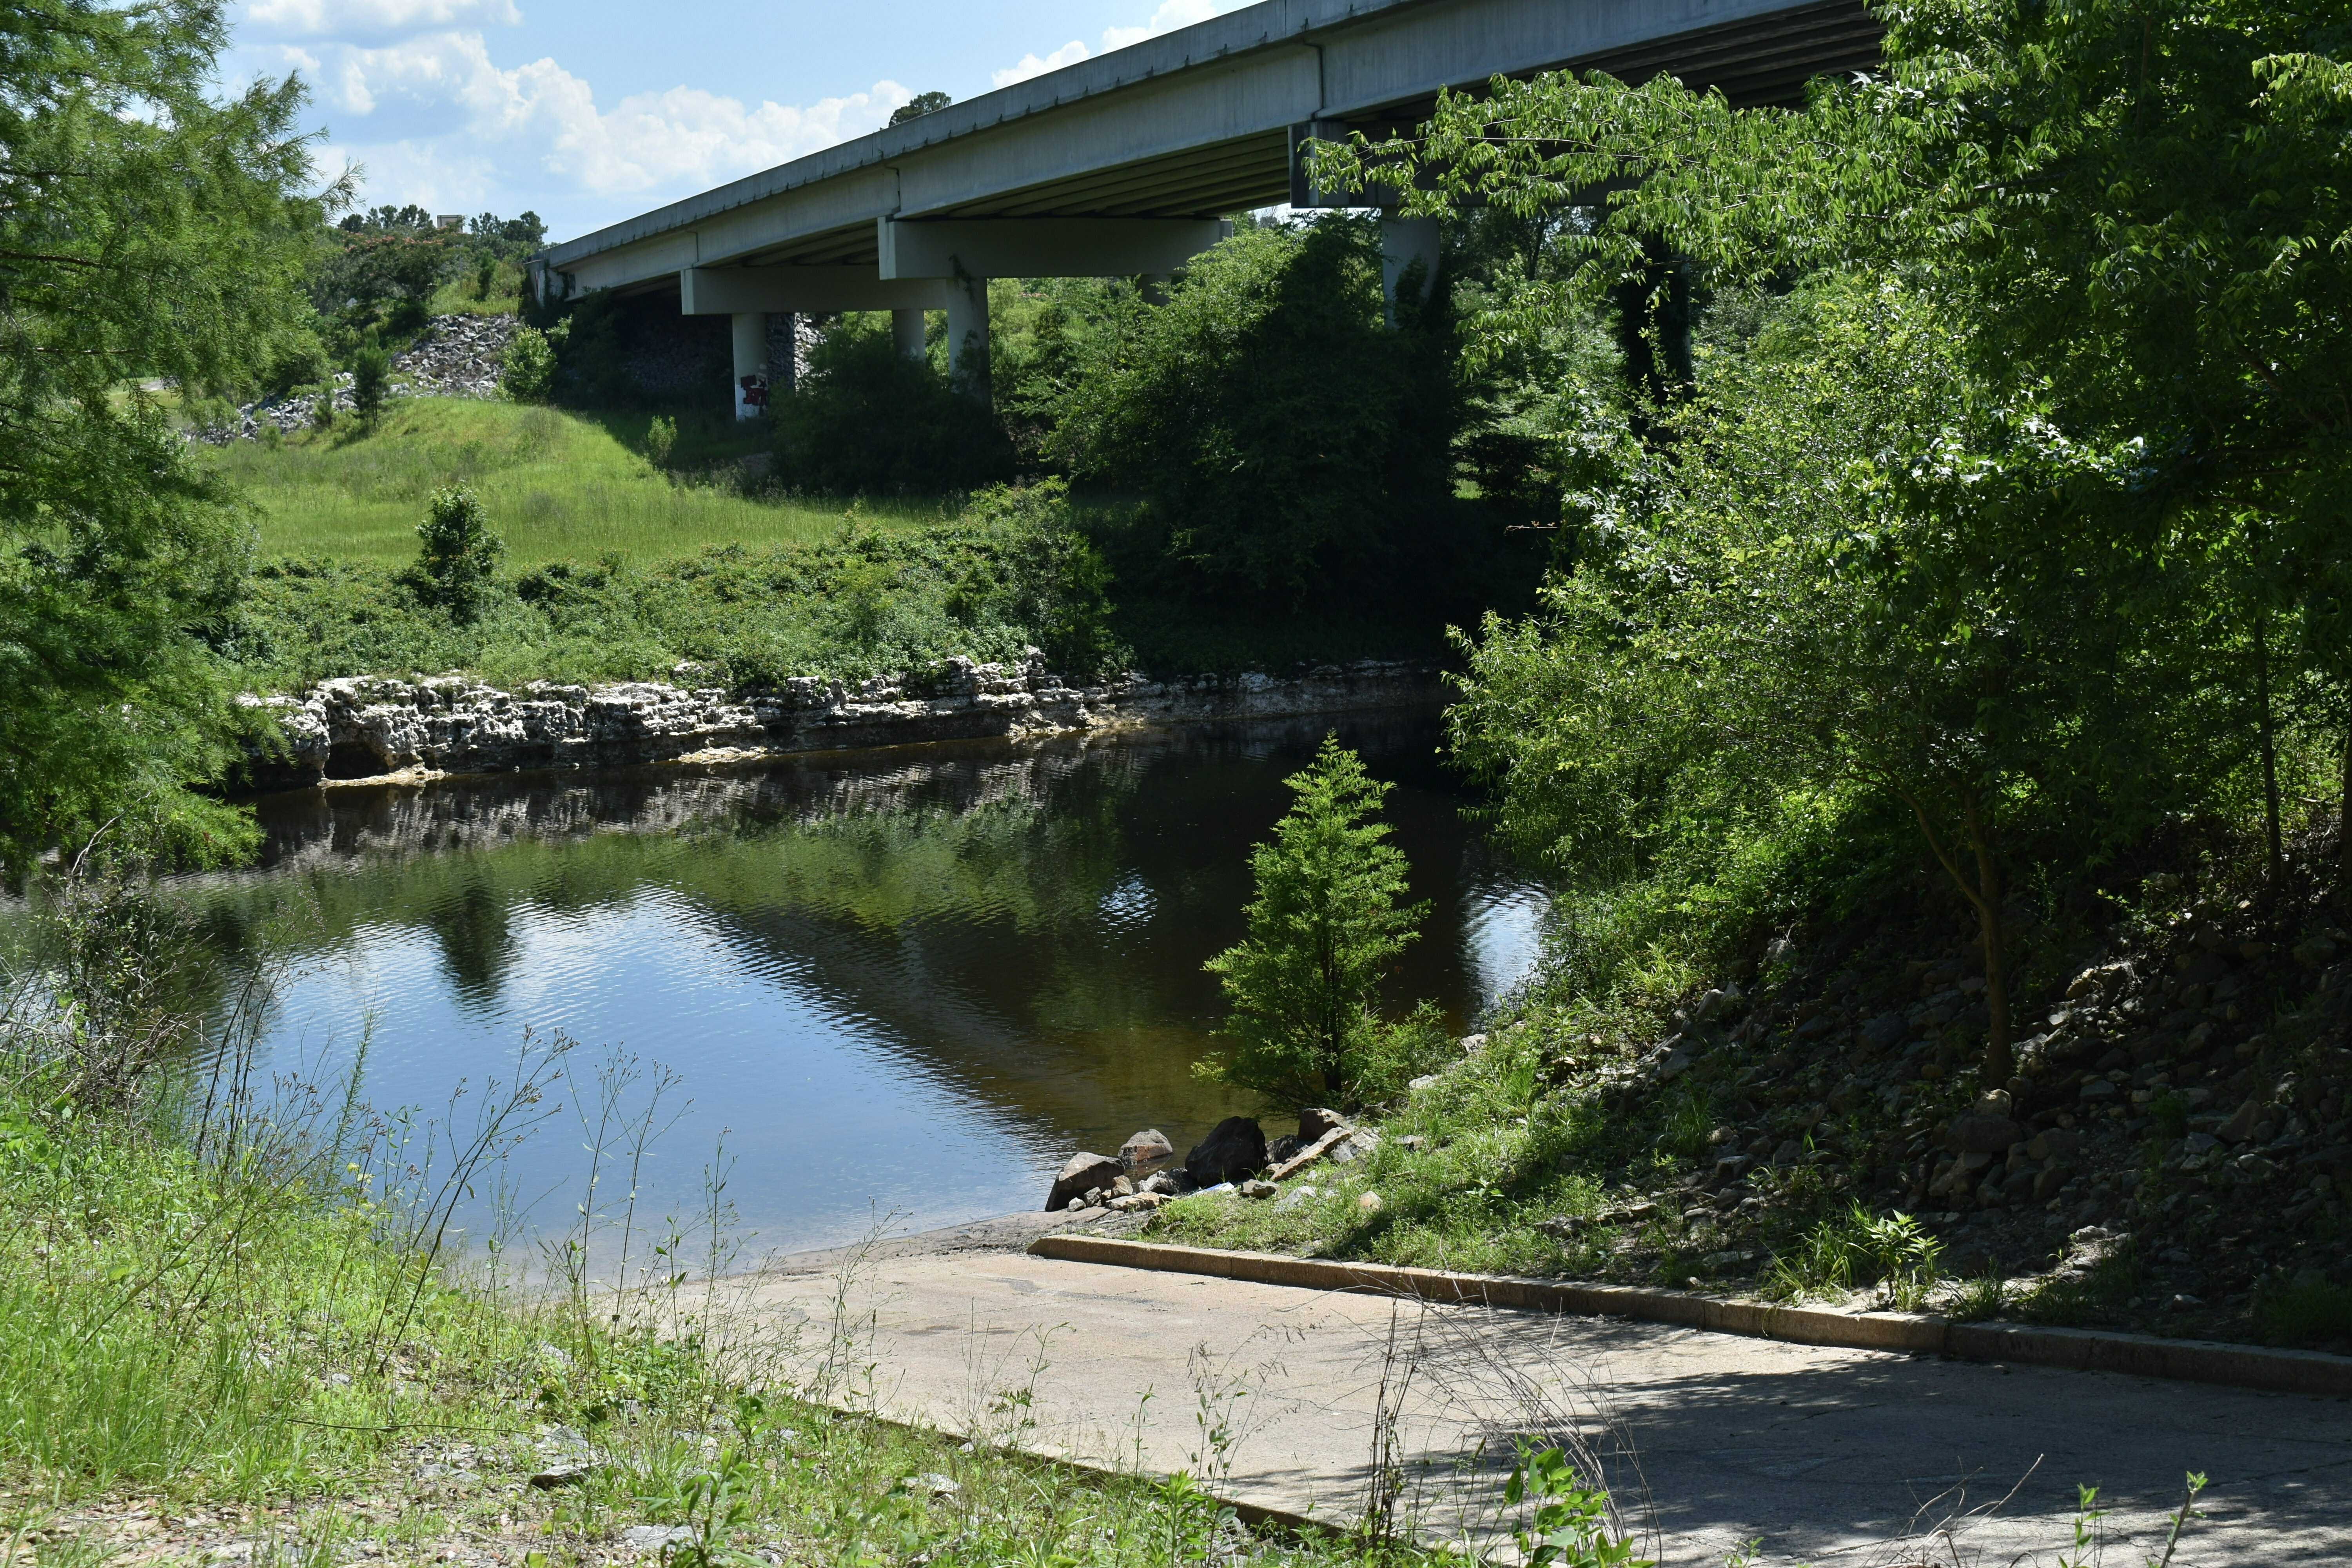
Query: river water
(903, 982)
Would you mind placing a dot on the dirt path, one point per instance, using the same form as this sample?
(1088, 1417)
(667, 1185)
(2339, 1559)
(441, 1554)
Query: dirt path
(1828, 1455)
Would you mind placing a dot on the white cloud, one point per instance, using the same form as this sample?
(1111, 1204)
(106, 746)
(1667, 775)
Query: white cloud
(1069, 54)
(1171, 15)
(455, 129)
(374, 18)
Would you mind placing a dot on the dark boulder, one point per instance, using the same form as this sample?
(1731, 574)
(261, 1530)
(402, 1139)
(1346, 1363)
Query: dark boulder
(1884, 1031)
(1233, 1149)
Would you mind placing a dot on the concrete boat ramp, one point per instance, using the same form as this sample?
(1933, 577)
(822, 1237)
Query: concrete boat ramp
(1293, 1400)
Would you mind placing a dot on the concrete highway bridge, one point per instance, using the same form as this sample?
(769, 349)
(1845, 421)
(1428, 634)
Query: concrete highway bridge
(1123, 165)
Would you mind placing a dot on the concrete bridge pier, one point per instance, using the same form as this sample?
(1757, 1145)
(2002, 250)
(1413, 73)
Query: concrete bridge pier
(968, 335)
(751, 363)
(963, 253)
(1404, 241)
(750, 295)
(907, 332)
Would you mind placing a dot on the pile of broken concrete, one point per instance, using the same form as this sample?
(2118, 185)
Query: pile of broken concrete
(458, 356)
(1235, 1157)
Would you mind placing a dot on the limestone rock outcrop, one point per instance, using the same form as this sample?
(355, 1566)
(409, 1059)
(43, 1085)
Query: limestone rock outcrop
(363, 727)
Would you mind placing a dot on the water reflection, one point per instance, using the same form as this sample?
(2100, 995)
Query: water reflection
(914, 979)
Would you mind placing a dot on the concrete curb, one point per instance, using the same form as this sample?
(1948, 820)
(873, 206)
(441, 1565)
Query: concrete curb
(2074, 1350)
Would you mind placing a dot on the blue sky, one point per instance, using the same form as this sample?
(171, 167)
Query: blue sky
(588, 111)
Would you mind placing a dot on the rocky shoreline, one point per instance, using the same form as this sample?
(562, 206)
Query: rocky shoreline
(386, 728)
(1235, 1157)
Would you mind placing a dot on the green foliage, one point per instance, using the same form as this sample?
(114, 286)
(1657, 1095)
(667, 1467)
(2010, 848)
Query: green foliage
(562, 485)
(1282, 434)
(457, 555)
(1830, 592)
(153, 232)
(867, 420)
(2113, 211)
(2091, 1295)
(2303, 1311)
(1858, 1247)
(922, 103)
(1324, 927)
(1012, 573)
(399, 270)
(1978, 1299)
(371, 381)
(1571, 1523)
(527, 372)
(661, 440)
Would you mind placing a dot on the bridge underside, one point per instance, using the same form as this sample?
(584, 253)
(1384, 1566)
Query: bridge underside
(1763, 61)
(1190, 126)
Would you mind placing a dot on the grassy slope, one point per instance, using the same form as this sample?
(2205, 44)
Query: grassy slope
(809, 586)
(558, 485)
(1549, 1123)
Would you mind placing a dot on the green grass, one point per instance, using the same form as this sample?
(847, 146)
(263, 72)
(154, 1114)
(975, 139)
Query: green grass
(265, 1377)
(247, 1314)
(558, 485)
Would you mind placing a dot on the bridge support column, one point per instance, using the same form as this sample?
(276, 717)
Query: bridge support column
(906, 332)
(968, 335)
(1404, 241)
(1156, 286)
(751, 363)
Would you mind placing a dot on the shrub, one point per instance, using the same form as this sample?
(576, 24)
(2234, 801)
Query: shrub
(859, 603)
(370, 380)
(297, 362)
(867, 420)
(1280, 431)
(2070, 1301)
(459, 554)
(1856, 1247)
(2302, 1313)
(1323, 929)
(527, 372)
(661, 440)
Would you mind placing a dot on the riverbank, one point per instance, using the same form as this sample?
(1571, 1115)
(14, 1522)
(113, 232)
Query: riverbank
(376, 730)
(241, 1329)
(1806, 1122)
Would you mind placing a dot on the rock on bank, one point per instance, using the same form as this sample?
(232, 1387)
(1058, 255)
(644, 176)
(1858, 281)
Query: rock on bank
(362, 726)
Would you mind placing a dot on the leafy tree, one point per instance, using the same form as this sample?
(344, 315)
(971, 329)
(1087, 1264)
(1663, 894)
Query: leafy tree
(1835, 593)
(371, 379)
(867, 420)
(1324, 927)
(146, 230)
(922, 103)
(1281, 431)
(2137, 210)
(408, 218)
(459, 554)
